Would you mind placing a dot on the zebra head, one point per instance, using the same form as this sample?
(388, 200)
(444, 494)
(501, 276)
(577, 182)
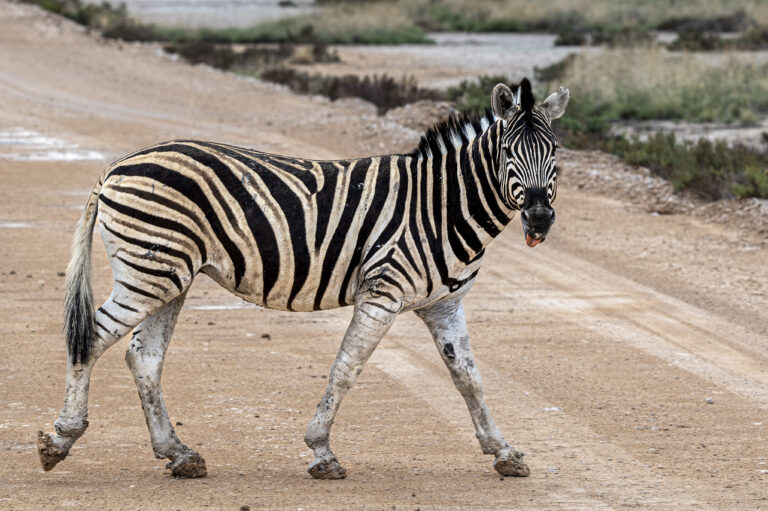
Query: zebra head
(527, 171)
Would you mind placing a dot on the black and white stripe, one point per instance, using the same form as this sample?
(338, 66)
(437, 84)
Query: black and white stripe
(298, 234)
(386, 234)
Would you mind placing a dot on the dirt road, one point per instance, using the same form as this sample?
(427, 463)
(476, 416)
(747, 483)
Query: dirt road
(598, 349)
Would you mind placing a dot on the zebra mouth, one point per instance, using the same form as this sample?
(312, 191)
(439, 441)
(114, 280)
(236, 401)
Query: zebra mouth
(534, 240)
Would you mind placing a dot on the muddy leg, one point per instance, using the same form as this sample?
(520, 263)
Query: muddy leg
(368, 326)
(145, 357)
(113, 322)
(448, 326)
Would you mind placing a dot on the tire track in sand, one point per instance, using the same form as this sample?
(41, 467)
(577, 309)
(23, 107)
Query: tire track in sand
(561, 448)
(727, 355)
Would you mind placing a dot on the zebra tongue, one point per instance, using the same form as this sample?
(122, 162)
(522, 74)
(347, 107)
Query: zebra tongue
(531, 241)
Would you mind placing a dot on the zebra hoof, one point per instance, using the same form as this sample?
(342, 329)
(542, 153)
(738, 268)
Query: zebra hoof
(188, 466)
(327, 468)
(50, 453)
(510, 463)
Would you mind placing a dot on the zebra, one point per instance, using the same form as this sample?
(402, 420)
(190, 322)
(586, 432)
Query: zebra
(385, 234)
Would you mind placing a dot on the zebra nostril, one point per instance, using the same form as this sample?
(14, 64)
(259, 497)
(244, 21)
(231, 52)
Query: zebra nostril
(523, 216)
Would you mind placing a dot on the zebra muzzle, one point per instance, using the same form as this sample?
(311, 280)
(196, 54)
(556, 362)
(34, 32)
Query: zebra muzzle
(531, 241)
(537, 221)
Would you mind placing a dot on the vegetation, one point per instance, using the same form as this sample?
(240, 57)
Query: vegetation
(333, 25)
(91, 15)
(751, 40)
(634, 79)
(582, 21)
(625, 84)
(371, 23)
(250, 59)
(590, 15)
(624, 37)
(651, 83)
(474, 94)
(632, 85)
(407, 21)
(712, 169)
(383, 91)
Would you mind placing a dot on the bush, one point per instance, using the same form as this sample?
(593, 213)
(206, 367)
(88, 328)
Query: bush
(253, 58)
(90, 15)
(383, 91)
(475, 94)
(738, 21)
(711, 169)
(572, 38)
(626, 37)
(752, 40)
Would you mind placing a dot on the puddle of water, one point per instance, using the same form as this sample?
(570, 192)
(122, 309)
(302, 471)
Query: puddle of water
(750, 136)
(214, 13)
(71, 155)
(458, 56)
(21, 144)
(15, 225)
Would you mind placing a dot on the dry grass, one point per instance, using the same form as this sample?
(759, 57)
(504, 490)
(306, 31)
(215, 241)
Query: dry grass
(553, 15)
(367, 23)
(652, 83)
(604, 12)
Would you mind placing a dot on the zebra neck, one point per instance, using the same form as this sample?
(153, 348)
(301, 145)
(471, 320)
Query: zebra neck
(466, 205)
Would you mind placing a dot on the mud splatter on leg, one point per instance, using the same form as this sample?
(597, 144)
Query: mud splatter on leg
(145, 356)
(448, 326)
(369, 324)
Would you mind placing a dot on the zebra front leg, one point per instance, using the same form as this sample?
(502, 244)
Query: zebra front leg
(448, 326)
(369, 324)
(145, 356)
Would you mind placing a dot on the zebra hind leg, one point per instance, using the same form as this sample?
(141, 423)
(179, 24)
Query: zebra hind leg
(114, 319)
(145, 357)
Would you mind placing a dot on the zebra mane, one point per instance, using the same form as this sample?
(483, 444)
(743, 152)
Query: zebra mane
(455, 130)
(527, 99)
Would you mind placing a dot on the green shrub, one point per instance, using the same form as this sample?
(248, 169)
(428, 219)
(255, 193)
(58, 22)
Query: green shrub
(751, 40)
(753, 183)
(252, 58)
(91, 15)
(711, 169)
(572, 38)
(475, 94)
(738, 21)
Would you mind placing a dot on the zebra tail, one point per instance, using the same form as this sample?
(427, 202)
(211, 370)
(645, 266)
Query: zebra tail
(79, 313)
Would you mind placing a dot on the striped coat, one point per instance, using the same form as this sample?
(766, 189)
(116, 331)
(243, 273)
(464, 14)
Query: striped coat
(304, 235)
(386, 234)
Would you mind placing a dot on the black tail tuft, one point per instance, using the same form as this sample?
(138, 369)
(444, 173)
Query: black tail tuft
(79, 315)
(80, 326)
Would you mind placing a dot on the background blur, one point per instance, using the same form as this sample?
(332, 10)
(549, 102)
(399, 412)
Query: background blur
(646, 75)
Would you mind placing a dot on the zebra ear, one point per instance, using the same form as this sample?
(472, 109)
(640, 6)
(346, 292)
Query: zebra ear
(555, 104)
(503, 102)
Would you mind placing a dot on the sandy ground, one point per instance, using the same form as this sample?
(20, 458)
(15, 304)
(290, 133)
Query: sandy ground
(598, 349)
